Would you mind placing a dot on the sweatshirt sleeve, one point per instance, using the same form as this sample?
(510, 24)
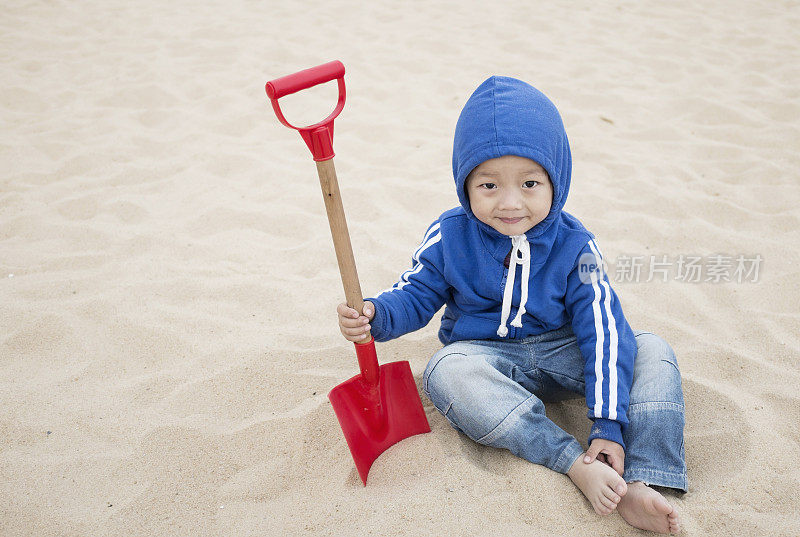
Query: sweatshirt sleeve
(410, 303)
(606, 342)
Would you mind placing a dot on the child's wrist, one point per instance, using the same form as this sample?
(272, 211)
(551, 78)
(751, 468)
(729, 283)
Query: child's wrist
(607, 430)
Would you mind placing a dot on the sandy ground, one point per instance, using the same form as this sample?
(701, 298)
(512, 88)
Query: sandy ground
(167, 281)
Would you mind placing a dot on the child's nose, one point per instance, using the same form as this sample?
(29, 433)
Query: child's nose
(510, 201)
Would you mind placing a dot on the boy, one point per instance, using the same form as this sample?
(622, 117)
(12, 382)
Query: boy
(510, 252)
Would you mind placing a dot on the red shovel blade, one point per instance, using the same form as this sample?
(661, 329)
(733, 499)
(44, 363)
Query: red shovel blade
(378, 416)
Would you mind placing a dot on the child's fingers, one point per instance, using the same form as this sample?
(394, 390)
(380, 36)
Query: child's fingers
(355, 330)
(354, 327)
(616, 463)
(591, 454)
(356, 339)
(353, 323)
(354, 334)
(369, 309)
(346, 311)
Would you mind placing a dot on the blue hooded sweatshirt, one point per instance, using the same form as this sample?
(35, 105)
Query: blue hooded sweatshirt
(463, 263)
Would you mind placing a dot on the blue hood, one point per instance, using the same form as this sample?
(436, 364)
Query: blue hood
(506, 116)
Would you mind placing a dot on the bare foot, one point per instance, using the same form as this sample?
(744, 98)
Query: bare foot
(601, 484)
(644, 508)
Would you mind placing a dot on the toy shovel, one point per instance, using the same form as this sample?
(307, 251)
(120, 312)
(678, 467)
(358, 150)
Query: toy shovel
(380, 406)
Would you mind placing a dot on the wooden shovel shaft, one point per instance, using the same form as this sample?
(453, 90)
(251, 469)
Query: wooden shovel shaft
(341, 237)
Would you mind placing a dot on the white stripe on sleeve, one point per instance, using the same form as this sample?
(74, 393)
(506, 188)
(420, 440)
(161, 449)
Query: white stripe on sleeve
(598, 348)
(431, 238)
(434, 228)
(613, 342)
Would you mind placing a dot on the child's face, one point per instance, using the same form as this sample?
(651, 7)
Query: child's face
(510, 193)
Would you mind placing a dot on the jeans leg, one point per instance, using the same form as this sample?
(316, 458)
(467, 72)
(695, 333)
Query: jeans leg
(654, 437)
(465, 383)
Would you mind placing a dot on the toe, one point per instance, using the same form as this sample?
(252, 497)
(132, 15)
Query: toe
(657, 504)
(602, 510)
(608, 504)
(611, 495)
(674, 523)
(663, 507)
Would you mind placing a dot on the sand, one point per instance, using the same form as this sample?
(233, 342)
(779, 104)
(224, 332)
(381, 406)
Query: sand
(168, 284)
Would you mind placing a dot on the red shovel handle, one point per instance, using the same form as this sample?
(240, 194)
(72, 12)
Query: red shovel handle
(319, 136)
(286, 85)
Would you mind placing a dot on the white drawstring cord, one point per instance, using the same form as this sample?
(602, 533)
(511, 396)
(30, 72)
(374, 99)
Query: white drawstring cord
(520, 255)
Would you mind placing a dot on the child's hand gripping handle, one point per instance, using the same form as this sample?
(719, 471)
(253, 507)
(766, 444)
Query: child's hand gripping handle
(319, 138)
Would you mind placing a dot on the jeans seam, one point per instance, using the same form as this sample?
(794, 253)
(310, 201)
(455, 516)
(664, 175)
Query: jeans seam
(485, 439)
(670, 362)
(426, 377)
(656, 405)
(560, 466)
(581, 381)
(445, 411)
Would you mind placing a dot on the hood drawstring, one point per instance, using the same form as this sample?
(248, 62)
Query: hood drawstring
(520, 255)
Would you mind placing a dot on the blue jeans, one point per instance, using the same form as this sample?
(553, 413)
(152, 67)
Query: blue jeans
(492, 391)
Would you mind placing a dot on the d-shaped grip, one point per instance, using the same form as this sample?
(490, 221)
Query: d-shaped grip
(319, 136)
(306, 78)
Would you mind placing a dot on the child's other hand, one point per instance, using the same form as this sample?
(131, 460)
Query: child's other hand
(355, 327)
(607, 452)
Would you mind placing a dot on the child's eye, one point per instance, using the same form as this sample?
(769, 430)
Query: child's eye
(530, 184)
(489, 186)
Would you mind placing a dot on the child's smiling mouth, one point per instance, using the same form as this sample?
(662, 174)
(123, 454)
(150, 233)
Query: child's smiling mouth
(511, 220)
